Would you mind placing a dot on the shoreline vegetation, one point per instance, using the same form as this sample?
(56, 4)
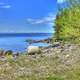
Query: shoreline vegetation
(59, 61)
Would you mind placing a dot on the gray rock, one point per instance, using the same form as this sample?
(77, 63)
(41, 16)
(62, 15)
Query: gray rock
(33, 50)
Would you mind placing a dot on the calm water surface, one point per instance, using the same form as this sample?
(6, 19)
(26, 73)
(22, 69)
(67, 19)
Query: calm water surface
(16, 42)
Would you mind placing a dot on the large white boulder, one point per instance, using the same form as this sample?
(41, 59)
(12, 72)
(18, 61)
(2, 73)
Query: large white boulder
(33, 50)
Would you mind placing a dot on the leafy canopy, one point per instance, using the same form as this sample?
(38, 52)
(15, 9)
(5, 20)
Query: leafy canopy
(67, 23)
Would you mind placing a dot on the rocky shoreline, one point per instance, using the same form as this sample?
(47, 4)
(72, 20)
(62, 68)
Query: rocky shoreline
(63, 51)
(53, 62)
(31, 41)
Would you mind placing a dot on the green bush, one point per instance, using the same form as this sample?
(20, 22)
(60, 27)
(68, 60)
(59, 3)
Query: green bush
(1, 52)
(9, 52)
(67, 23)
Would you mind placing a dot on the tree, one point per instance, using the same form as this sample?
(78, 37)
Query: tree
(68, 21)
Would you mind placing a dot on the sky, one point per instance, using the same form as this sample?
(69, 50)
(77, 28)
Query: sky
(28, 16)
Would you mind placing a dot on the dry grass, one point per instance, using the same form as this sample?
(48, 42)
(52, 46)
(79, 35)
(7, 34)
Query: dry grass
(39, 67)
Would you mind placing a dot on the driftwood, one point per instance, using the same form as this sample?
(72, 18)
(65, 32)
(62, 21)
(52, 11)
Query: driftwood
(30, 41)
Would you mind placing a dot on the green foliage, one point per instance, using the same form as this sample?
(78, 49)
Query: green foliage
(1, 52)
(9, 52)
(67, 23)
(56, 77)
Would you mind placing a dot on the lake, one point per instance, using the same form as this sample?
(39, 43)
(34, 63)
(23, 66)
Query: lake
(16, 41)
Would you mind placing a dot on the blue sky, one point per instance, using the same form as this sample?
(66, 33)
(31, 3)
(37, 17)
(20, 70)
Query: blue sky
(25, 16)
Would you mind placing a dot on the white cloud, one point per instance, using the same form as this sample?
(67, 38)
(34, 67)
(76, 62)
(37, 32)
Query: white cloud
(6, 6)
(60, 1)
(45, 20)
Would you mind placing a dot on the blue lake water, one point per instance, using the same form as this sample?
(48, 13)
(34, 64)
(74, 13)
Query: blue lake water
(16, 42)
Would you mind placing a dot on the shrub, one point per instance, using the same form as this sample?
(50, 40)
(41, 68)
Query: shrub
(9, 52)
(67, 23)
(1, 52)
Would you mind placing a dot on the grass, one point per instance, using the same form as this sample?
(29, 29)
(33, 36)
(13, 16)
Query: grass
(37, 67)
